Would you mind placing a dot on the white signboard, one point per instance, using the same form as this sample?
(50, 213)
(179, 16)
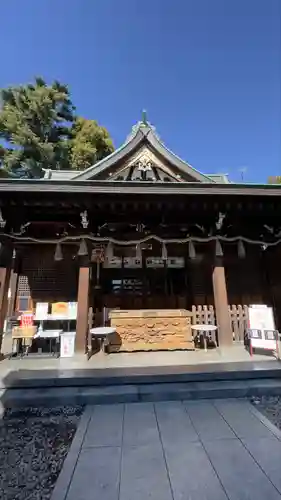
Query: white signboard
(67, 343)
(72, 310)
(261, 319)
(41, 311)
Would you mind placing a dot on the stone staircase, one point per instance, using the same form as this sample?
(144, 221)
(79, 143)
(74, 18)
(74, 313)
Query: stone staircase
(94, 386)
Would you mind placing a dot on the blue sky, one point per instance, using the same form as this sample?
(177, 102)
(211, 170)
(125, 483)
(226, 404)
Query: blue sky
(207, 71)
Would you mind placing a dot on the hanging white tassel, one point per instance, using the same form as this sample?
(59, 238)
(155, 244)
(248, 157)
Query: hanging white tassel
(58, 253)
(138, 252)
(164, 255)
(109, 252)
(219, 250)
(241, 250)
(83, 249)
(191, 250)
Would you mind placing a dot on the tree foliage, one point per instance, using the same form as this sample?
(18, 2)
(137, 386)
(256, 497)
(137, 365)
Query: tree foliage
(90, 143)
(275, 179)
(39, 130)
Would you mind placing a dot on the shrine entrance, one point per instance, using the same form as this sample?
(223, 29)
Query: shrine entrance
(131, 283)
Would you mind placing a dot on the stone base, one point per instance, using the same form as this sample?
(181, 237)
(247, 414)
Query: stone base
(151, 330)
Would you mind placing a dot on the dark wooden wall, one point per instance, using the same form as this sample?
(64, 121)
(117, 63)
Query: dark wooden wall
(44, 280)
(253, 280)
(245, 278)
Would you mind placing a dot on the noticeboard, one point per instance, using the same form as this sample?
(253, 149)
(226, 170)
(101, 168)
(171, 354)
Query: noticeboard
(41, 311)
(262, 330)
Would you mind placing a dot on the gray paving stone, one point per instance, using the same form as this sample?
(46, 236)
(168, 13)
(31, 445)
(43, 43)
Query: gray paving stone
(64, 479)
(143, 473)
(267, 452)
(140, 426)
(191, 473)
(82, 428)
(96, 475)
(240, 475)
(175, 426)
(240, 418)
(105, 426)
(207, 421)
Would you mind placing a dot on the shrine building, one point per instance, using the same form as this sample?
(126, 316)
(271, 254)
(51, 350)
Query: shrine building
(141, 230)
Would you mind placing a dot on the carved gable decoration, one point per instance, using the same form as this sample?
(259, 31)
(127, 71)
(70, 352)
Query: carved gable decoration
(142, 158)
(145, 166)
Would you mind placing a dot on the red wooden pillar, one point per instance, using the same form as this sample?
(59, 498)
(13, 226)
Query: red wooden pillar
(225, 336)
(82, 309)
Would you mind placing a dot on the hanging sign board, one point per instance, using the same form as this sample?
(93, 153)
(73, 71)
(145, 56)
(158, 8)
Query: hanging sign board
(262, 327)
(114, 262)
(175, 262)
(132, 262)
(155, 262)
(41, 311)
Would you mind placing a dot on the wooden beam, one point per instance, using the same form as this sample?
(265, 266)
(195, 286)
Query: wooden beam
(225, 336)
(82, 310)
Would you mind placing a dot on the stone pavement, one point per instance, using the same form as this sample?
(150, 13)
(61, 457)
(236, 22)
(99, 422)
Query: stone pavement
(195, 450)
(101, 361)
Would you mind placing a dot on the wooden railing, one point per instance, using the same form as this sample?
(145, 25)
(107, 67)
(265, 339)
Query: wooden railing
(238, 317)
(203, 315)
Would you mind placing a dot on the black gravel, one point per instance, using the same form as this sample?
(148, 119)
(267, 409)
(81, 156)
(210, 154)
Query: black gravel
(270, 406)
(33, 445)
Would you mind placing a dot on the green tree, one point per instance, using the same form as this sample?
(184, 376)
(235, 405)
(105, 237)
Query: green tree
(39, 130)
(90, 143)
(35, 122)
(274, 179)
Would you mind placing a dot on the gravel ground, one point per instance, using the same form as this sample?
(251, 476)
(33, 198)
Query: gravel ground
(270, 406)
(33, 445)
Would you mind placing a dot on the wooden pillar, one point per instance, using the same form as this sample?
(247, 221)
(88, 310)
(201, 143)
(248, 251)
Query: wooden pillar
(14, 279)
(13, 292)
(5, 273)
(221, 304)
(82, 310)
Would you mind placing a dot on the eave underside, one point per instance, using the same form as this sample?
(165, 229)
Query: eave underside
(133, 188)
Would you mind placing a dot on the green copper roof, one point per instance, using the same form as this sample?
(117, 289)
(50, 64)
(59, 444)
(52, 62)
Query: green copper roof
(143, 133)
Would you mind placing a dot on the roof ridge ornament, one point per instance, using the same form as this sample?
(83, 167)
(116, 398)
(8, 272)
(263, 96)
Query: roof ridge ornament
(144, 117)
(143, 123)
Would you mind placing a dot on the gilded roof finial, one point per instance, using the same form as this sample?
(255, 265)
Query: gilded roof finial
(144, 117)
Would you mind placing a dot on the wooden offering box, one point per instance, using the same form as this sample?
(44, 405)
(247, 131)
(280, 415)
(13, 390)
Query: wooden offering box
(151, 330)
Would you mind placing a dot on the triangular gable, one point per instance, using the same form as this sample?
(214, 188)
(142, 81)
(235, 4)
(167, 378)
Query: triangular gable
(143, 158)
(144, 165)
